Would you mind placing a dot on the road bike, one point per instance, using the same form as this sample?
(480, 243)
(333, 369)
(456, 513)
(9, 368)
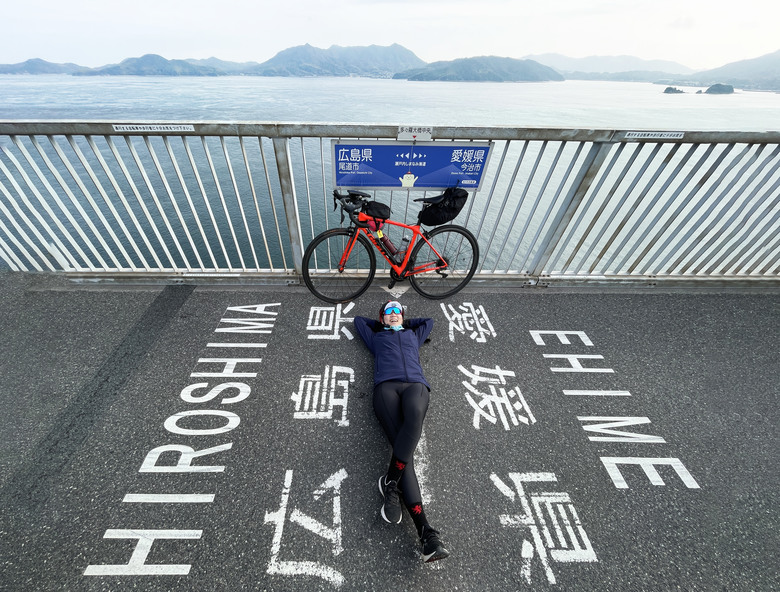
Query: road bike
(340, 264)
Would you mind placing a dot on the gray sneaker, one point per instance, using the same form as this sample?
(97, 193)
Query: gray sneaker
(391, 509)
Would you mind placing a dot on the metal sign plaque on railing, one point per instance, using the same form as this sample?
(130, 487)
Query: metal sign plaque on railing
(409, 165)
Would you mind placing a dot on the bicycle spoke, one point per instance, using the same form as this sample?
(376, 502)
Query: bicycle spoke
(321, 272)
(449, 262)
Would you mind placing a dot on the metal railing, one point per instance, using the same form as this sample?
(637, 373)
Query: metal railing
(566, 206)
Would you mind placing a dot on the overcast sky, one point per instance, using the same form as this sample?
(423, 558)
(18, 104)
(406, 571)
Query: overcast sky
(700, 34)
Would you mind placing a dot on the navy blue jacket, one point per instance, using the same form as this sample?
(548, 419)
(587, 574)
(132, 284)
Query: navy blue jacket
(396, 353)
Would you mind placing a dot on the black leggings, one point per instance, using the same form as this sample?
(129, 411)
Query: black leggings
(401, 408)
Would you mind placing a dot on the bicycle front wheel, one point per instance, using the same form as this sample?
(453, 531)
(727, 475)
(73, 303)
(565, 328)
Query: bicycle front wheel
(331, 279)
(453, 262)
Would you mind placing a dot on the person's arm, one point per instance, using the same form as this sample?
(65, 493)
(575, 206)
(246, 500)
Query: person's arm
(421, 327)
(365, 328)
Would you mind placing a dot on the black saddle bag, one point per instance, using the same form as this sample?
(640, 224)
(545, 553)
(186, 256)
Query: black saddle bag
(446, 210)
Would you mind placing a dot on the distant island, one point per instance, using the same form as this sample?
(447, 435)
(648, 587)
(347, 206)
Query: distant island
(151, 65)
(302, 61)
(715, 89)
(720, 89)
(373, 61)
(483, 69)
(39, 66)
(395, 61)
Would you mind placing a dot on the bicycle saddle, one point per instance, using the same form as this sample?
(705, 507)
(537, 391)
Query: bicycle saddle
(432, 200)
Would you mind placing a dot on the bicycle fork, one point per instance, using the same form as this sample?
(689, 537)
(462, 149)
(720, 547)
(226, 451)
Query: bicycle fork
(348, 251)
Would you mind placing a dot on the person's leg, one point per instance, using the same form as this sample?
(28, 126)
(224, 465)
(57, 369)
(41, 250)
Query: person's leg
(392, 409)
(414, 406)
(417, 513)
(400, 408)
(414, 402)
(409, 486)
(387, 407)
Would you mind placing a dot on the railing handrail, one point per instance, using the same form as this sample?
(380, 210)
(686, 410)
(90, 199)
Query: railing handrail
(587, 205)
(348, 130)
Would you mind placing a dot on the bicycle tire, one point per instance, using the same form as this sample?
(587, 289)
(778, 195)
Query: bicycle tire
(320, 266)
(459, 249)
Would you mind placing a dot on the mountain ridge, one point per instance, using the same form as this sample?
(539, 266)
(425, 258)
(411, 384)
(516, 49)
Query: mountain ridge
(39, 66)
(483, 69)
(761, 73)
(372, 61)
(607, 64)
(151, 65)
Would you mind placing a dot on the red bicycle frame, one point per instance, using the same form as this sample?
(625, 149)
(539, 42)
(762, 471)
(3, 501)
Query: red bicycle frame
(400, 268)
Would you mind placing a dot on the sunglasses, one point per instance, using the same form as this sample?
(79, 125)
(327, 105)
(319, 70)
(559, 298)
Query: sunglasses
(392, 310)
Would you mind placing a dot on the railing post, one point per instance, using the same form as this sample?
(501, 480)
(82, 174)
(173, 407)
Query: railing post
(711, 220)
(290, 200)
(590, 168)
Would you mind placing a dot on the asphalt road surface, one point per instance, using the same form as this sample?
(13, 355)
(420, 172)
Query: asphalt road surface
(223, 438)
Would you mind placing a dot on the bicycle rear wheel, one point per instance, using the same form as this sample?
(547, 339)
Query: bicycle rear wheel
(321, 272)
(458, 249)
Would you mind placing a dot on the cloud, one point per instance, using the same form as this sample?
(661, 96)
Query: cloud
(686, 22)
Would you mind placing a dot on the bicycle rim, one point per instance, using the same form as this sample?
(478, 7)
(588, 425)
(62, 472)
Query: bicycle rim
(321, 272)
(459, 250)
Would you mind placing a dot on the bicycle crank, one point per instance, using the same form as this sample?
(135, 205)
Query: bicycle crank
(394, 279)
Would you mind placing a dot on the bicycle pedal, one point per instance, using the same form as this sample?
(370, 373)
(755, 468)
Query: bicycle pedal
(391, 285)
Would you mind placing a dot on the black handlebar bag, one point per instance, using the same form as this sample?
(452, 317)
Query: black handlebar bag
(446, 210)
(378, 211)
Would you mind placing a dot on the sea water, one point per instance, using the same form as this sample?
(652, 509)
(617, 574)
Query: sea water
(569, 104)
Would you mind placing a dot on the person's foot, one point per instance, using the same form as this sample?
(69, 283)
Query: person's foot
(391, 509)
(432, 549)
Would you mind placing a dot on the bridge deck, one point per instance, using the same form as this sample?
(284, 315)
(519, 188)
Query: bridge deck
(640, 455)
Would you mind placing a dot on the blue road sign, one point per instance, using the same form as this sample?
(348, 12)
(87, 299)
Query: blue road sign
(407, 165)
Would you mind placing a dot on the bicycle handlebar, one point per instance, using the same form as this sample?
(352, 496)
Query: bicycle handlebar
(350, 203)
